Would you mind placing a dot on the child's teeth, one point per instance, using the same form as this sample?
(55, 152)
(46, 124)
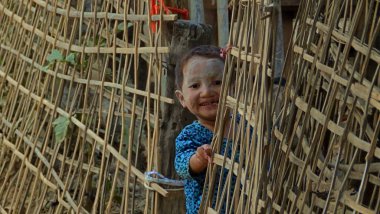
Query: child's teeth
(209, 103)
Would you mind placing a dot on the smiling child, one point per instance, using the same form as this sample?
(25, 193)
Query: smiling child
(199, 78)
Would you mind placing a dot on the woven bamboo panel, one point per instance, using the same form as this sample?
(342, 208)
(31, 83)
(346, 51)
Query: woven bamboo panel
(80, 92)
(248, 99)
(74, 67)
(318, 152)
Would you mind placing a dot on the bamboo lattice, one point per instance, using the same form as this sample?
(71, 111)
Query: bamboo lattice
(309, 146)
(80, 96)
(319, 152)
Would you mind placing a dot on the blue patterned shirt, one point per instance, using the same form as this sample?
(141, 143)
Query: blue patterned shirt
(187, 142)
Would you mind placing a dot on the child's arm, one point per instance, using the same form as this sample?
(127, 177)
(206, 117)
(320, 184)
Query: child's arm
(186, 148)
(198, 162)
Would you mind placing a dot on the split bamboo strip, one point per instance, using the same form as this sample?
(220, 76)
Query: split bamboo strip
(72, 13)
(76, 48)
(85, 81)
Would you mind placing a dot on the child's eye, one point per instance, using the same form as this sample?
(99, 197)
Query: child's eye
(194, 86)
(218, 82)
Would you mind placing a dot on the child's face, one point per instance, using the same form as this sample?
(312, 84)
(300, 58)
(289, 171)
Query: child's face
(202, 79)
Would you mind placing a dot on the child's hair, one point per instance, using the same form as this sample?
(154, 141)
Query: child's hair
(207, 51)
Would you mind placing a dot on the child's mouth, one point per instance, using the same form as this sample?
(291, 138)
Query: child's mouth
(209, 103)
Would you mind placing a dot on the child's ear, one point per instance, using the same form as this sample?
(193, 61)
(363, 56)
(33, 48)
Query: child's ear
(179, 95)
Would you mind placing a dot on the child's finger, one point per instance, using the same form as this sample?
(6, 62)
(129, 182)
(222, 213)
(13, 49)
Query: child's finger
(208, 159)
(207, 150)
(202, 154)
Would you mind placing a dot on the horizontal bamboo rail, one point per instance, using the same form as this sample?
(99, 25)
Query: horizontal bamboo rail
(72, 13)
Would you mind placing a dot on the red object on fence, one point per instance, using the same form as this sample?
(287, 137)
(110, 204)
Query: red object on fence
(155, 10)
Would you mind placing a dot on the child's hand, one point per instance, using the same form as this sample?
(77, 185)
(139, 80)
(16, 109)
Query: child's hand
(204, 153)
(199, 161)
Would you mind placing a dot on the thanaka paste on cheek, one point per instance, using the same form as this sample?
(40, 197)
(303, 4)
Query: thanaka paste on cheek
(202, 100)
(199, 68)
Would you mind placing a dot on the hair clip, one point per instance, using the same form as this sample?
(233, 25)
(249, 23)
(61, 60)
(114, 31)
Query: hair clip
(223, 51)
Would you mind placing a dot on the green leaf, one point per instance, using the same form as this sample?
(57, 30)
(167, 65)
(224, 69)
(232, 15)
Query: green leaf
(71, 58)
(120, 27)
(46, 68)
(55, 55)
(103, 42)
(61, 126)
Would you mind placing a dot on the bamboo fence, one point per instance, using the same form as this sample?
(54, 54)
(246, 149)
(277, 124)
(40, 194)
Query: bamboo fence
(77, 107)
(313, 145)
(80, 96)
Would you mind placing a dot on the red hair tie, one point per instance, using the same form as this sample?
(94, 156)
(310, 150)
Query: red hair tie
(224, 51)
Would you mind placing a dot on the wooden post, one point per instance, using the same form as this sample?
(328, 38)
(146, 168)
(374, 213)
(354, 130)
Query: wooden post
(186, 35)
(197, 13)
(279, 40)
(223, 23)
(289, 9)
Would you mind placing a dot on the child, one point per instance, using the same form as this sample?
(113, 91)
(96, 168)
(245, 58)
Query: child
(198, 79)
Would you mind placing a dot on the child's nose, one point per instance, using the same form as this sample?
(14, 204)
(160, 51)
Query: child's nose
(206, 91)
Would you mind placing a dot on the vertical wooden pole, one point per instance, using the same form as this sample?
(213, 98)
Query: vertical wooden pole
(197, 13)
(279, 39)
(223, 23)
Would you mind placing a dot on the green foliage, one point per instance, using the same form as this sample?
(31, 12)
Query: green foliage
(61, 127)
(71, 58)
(55, 55)
(103, 42)
(120, 26)
(46, 68)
